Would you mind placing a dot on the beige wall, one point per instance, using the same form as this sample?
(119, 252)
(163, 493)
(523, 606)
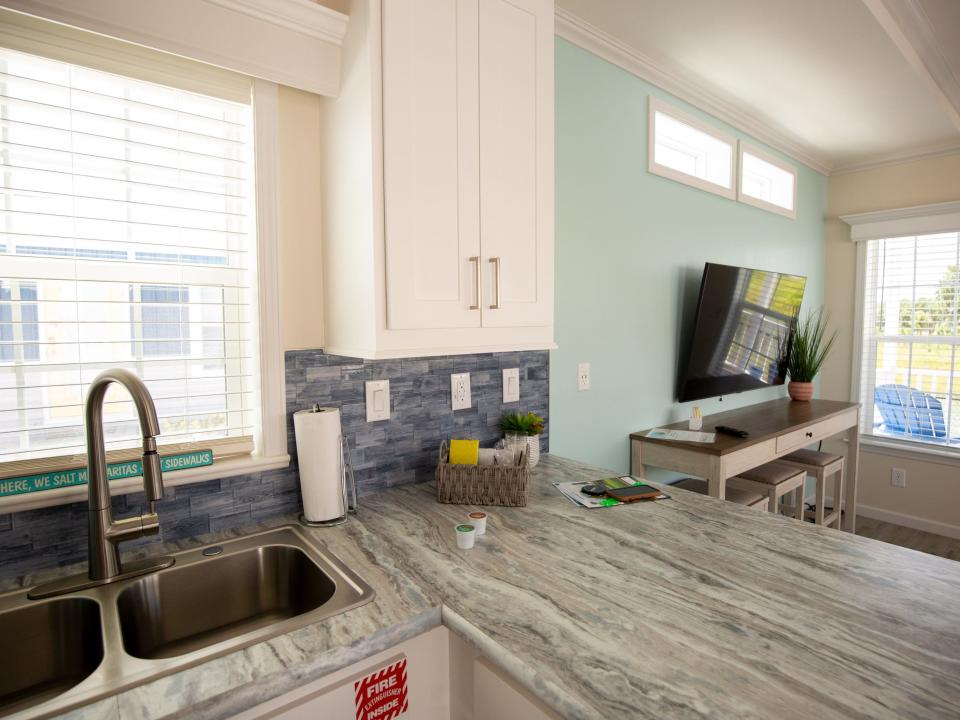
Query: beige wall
(298, 205)
(933, 488)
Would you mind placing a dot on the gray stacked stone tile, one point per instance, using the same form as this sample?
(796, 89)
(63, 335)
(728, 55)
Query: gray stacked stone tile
(400, 450)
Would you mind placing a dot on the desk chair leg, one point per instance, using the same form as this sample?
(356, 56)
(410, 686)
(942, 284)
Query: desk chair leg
(821, 497)
(798, 502)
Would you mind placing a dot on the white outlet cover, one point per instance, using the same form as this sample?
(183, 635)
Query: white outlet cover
(583, 377)
(898, 477)
(460, 391)
(511, 385)
(378, 400)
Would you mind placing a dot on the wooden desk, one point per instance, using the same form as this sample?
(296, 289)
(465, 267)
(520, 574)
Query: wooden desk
(776, 428)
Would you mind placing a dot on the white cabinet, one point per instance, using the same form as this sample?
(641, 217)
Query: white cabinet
(516, 160)
(446, 678)
(438, 180)
(430, 164)
(425, 686)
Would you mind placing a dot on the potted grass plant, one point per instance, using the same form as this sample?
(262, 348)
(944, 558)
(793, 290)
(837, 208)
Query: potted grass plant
(808, 350)
(523, 429)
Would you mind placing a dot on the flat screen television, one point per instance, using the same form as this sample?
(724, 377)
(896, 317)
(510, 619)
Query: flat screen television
(745, 322)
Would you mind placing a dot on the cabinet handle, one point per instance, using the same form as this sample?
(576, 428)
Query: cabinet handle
(496, 292)
(809, 434)
(476, 263)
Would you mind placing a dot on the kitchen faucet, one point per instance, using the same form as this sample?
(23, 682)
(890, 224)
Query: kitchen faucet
(104, 533)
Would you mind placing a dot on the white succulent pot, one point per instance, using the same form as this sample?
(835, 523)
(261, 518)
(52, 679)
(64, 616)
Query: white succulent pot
(533, 449)
(532, 443)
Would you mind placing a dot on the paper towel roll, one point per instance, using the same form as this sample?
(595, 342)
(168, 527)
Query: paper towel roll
(319, 456)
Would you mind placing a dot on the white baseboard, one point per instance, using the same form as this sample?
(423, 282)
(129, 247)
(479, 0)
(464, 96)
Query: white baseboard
(910, 521)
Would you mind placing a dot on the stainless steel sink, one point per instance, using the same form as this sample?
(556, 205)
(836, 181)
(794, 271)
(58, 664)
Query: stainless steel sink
(63, 653)
(49, 648)
(188, 608)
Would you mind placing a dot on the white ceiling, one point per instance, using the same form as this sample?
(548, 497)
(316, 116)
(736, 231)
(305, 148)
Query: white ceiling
(843, 83)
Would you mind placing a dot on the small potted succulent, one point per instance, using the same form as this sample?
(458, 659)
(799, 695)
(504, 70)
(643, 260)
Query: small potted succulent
(807, 352)
(519, 430)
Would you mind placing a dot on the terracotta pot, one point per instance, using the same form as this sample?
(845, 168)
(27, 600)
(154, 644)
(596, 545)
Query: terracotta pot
(800, 391)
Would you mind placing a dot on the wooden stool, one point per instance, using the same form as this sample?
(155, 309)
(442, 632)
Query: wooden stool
(749, 498)
(821, 465)
(773, 480)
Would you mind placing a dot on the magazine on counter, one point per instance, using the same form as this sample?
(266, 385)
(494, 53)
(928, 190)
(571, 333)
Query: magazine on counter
(572, 491)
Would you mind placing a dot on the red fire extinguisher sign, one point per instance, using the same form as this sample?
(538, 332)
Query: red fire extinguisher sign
(382, 695)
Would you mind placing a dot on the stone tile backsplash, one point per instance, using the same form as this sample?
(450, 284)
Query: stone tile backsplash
(402, 449)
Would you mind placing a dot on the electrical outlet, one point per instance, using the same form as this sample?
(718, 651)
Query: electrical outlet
(460, 391)
(511, 385)
(378, 400)
(583, 377)
(898, 477)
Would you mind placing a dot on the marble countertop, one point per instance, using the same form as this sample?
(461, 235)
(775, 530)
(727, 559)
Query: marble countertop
(689, 607)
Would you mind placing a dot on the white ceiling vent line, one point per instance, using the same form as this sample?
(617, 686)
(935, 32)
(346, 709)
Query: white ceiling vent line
(910, 29)
(573, 28)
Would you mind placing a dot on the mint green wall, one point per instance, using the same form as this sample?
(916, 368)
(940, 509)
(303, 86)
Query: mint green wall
(630, 253)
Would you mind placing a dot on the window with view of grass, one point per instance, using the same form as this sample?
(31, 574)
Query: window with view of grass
(910, 358)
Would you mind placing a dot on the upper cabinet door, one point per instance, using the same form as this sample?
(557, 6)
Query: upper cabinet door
(516, 161)
(431, 164)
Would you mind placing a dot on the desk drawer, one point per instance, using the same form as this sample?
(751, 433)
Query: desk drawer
(813, 433)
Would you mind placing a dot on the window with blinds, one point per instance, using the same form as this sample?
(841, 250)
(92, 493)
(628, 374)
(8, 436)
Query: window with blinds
(126, 240)
(910, 374)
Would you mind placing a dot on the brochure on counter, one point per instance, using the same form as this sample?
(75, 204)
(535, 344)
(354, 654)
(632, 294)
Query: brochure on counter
(572, 491)
(682, 435)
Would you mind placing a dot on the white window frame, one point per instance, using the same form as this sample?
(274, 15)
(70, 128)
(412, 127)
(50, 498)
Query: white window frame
(70, 45)
(881, 225)
(745, 146)
(657, 105)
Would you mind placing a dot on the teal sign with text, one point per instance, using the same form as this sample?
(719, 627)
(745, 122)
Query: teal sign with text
(115, 471)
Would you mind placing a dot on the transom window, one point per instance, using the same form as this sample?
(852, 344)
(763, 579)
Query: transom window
(690, 151)
(767, 182)
(126, 240)
(910, 360)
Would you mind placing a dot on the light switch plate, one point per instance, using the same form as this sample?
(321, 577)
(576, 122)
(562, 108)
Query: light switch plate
(583, 377)
(378, 400)
(460, 391)
(511, 385)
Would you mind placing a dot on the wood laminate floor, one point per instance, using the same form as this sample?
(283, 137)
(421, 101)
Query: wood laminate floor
(909, 538)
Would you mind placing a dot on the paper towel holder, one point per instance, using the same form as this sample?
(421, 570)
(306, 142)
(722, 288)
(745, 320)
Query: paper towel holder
(346, 476)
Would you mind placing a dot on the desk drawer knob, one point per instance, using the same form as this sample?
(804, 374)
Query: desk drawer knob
(809, 434)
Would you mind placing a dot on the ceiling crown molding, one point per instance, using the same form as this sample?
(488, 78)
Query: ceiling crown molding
(898, 158)
(576, 30)
(911, 31)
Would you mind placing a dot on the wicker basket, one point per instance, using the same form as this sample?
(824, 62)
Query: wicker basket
(482, 484)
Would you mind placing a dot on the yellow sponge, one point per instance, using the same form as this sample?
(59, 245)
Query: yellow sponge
(464, 452)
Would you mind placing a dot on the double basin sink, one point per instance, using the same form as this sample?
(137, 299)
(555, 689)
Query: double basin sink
(66, 651)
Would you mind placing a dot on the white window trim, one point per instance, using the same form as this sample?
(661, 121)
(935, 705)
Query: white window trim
(884, 225)
(271, 440)
(657, 105)
(776, 162)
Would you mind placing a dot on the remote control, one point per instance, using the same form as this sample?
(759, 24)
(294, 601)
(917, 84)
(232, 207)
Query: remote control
(732, 431)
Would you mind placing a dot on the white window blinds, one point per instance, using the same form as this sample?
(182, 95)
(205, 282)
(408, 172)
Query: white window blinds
(910, 372)
(126, 240)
